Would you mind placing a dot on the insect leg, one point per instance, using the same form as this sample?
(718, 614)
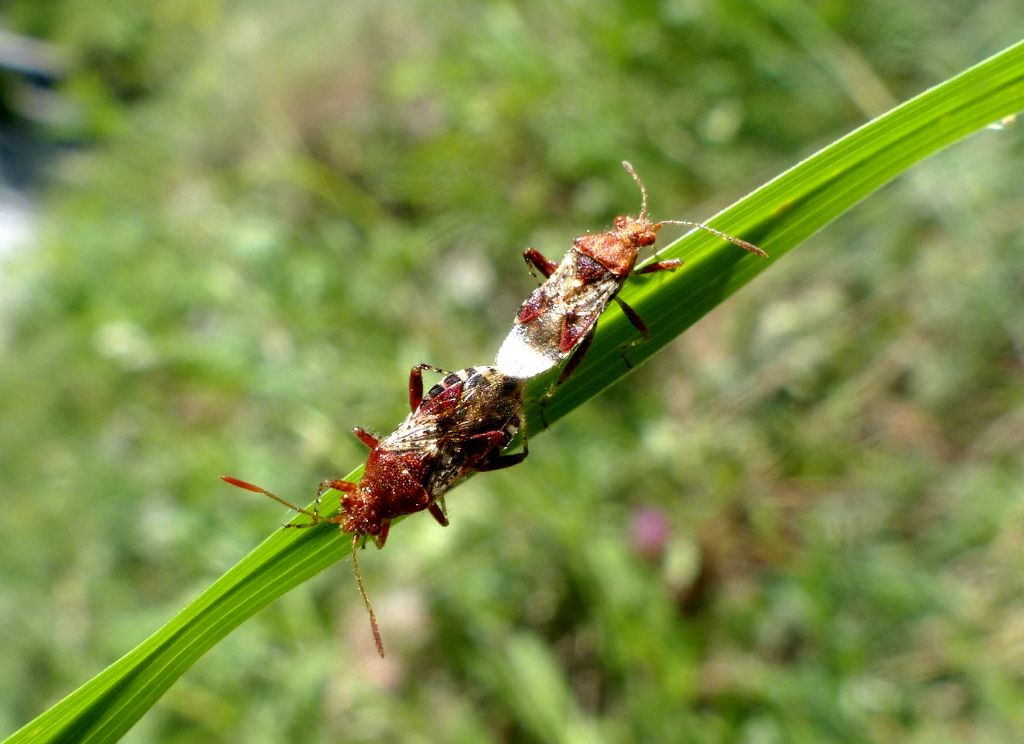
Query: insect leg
(499, 462)
(567, 370)
(574, 361)
(338, 485)
(634, 318)
(382, 536)
(535, 259)
(416, 383)
(365, 437)
(438, 514)
(668, 265)
(638, 323)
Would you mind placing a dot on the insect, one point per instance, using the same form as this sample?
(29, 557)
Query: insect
(461, 425)
(560, 316)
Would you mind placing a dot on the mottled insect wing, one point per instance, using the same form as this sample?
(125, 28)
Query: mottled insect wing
(557, 316)
(415, 435)
(443, 403)
(488, 415)
(534, 307)
(491, 401)
(574, 328)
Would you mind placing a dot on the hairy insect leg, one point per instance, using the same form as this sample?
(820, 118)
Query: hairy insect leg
(490, 457)
(634, 318)
(365, 437)
(574, 361)
(638, 323)
(536, 260)
(374, 628)
(382, 536)
(416, 383)
(670, 264)
(338, 485)
(567, 370)
(437, 513)
(499, 462)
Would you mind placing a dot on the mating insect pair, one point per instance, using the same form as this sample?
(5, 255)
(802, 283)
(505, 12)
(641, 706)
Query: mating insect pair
(465, 423)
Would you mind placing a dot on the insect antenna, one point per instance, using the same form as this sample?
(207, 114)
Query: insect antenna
(724, 236)
(259, 489)
(374, 628)
(643, 191)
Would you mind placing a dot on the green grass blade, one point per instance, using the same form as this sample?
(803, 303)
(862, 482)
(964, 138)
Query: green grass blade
(777, 217)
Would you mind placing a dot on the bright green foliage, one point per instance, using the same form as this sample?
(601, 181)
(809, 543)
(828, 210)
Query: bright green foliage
(280, 213)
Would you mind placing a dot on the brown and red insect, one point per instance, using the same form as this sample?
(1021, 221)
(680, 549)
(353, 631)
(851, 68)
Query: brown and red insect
(560, 316)
(462, 424)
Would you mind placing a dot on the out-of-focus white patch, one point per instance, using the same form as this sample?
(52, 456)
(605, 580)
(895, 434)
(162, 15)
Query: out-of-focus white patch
(127, 343)
(1005, 123)
(517, 359)
(17, 221)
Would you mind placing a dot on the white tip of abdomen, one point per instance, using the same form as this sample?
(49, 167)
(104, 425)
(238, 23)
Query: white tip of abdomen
(516, 358)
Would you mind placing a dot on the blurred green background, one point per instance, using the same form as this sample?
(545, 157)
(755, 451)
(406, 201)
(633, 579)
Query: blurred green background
(800, 523)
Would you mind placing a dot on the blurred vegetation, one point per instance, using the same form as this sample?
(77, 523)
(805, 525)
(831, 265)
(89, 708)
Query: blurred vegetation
(800, 523)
